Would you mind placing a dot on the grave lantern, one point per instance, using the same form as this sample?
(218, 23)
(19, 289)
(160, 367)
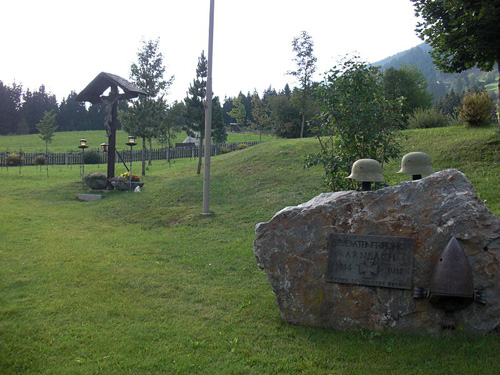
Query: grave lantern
(131, 141)
(83, 144)
(366, 171)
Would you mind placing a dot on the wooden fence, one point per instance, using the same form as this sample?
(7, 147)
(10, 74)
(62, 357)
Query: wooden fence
(97, 156)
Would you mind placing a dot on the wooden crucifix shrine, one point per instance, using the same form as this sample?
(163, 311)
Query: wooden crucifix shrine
(119, 89)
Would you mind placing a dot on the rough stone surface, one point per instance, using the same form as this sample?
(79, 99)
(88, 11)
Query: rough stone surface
(293, 248)
(88, 197)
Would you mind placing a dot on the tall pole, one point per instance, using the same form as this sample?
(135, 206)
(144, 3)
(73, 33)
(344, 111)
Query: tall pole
(112, 137)
(208, 114)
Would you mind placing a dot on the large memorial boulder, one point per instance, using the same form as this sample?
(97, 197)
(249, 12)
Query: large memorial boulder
(315, 283)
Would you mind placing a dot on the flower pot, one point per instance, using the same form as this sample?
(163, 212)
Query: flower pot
(125, 185)
(97, 184)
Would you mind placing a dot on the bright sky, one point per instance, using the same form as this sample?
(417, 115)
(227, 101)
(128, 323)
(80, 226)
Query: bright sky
(64, 44)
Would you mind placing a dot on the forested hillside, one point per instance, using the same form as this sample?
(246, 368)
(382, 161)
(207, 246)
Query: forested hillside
(276, 111)
(439, 83)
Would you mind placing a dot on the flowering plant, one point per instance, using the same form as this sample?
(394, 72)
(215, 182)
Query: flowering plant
(135, 178)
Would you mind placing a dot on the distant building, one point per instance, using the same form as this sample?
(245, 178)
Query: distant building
(190, 142)
(233, 127)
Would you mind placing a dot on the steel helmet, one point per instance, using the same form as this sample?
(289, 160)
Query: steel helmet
(416, 163)
(367, 170)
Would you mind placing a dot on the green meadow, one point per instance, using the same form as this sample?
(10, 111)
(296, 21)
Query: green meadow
(69, 141)
(141, 283)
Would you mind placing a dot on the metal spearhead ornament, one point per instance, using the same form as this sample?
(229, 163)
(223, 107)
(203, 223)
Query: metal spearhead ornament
(451, 287)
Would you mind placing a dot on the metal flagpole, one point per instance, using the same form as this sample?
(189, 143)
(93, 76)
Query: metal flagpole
(208, 115)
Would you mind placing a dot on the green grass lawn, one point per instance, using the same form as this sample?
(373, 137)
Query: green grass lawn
(69, 141)
(144, 284)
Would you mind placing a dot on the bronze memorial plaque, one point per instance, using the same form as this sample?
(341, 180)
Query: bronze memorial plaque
(382, 261)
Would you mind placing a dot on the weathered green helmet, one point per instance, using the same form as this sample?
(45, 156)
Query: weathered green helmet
(367, 170)
(416, 163)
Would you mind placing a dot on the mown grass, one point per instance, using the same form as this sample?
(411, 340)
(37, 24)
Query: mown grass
(144, 284)
(69, 141)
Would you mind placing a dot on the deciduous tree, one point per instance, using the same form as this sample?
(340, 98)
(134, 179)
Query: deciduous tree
(410, 84)
(463, 33)
(239, 112)
(46, 128)
(260, 114)
(357, 121)
(303, 47)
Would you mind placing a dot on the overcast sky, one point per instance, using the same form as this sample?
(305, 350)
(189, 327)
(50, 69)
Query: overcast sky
(64, 44)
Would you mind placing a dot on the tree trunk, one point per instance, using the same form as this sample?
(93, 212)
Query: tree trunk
(143, 156)
(498, 99)
(46, 158)
(303, 123)
(150, 156)
(200, 151)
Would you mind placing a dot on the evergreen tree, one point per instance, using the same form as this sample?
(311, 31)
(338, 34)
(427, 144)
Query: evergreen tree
(195, 105)
(285, 118)
(146, 113)
(219, 135)
(226, 108)
(10, 99)
(35, 104)
(72, 114)
(246, 100)
(450, 103)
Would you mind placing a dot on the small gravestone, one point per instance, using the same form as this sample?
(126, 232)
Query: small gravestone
(88, 197)
(376, 260)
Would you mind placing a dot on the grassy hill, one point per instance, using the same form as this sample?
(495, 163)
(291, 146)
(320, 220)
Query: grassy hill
(143, 284)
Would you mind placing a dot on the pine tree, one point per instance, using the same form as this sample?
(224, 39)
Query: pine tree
(195, 105)
(147, 112)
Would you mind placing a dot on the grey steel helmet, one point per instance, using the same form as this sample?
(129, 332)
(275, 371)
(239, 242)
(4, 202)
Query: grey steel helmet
(367, 170)
(416, 163)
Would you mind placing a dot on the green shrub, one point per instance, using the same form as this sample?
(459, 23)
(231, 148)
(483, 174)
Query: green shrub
(91, 157)
(224, 150)
(40, 160)
(241, 146)
(477, 108)
(455, 120)
(427, 118)
(13, 160)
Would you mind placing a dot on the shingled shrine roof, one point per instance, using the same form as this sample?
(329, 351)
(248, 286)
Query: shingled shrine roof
(92, 93)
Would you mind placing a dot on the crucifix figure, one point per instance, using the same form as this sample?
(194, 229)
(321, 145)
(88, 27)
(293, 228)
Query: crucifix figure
(109, 102)
(93, 93)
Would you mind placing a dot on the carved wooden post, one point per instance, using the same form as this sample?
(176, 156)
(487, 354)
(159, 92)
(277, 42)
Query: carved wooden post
(112, 135)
